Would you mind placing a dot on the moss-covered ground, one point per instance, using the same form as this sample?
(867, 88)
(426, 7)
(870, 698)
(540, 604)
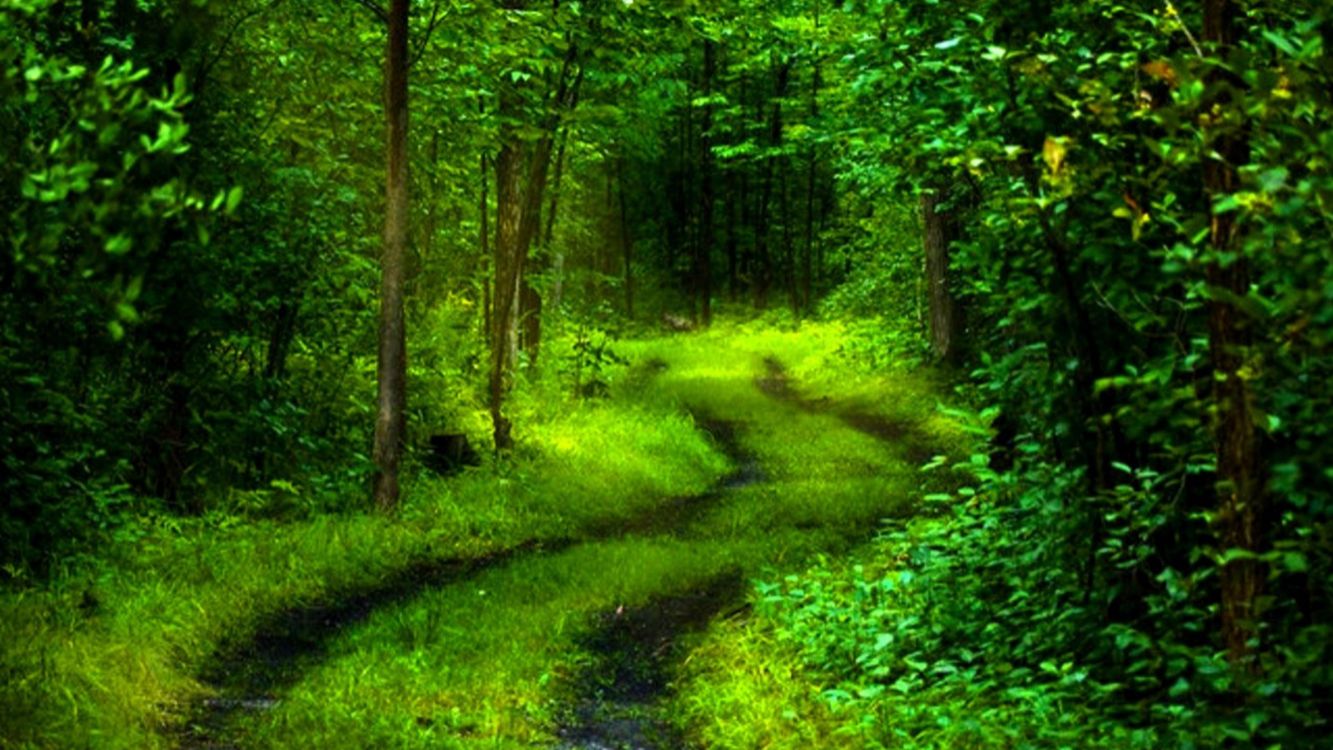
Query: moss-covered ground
(716, 459)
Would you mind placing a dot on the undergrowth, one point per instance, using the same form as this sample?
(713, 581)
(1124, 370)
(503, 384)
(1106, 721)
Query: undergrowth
(107, 656)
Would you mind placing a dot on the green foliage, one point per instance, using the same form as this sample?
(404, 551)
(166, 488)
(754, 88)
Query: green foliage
(1070, 594)
(88, 187)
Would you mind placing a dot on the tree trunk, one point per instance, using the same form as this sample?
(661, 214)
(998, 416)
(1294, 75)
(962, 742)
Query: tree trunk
(507, 264)
(548, 240)
(483, 241)
(788, 243)
(534, 190)
(938, 225)
(626, 241)
(703, 269)
(392, 367)
(807, 282)
(519, 199)
(1240, 471)
(734, 200)
(764, 257)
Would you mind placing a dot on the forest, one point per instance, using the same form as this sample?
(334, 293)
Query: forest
(666, 374)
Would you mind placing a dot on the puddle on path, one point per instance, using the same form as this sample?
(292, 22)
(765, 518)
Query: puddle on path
(622, 691)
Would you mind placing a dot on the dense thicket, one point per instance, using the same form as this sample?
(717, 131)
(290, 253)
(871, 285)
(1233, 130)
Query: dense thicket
(1109, 218)
(1135, 200)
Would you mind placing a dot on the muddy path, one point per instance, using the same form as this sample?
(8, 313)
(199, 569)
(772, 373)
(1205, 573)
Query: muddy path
(621, 693)
(618, 696)
(248, 677)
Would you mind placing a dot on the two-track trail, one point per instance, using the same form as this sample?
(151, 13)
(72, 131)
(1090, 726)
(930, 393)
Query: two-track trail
(593, 625)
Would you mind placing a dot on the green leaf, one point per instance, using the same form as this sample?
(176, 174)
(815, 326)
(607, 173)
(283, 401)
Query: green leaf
(233, 199)
(119, 244)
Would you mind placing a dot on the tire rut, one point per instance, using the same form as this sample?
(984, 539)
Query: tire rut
(249, 676)
(916, 444)
(619, 695)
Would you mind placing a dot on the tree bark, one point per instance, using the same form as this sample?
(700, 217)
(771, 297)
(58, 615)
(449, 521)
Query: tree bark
(548, 239)
(703, 252)
(807, 283)
(938, 226)
(518, 195)
(392, 366)
(1241, 476)
(508, 269)
(735, 197)
(764, 257)
(483, 241)
(788, 242)
(626, 240)
(564, 97)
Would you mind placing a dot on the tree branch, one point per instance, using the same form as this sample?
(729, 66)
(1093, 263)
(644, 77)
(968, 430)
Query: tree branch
(375, 9)
(425, 38)
(212, 61)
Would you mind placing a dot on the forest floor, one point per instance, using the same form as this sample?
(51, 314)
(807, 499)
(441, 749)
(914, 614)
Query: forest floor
(558, 621)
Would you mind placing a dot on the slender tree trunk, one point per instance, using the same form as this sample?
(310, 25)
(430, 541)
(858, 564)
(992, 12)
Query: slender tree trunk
(938, 225)
(508, 270)
(704, 245)
(280, 339)
(764, 282)
(530, 315)
(392, 368)
(548, 240)
(173, 438)
(534, 191)
(530, 301)
(1241, 475)
(807, 282)
(788, 243)
(518, 195)
(734, 200)
(483, 241)
(686, 217)
(626, 240)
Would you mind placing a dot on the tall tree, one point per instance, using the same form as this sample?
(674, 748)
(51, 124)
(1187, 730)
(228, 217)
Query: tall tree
(390, 420)
(1240, 471)
(521, 170)
(703, 249)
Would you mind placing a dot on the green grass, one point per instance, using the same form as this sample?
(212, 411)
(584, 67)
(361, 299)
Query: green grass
(744, 687)
(492, 662)
(109, 657)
